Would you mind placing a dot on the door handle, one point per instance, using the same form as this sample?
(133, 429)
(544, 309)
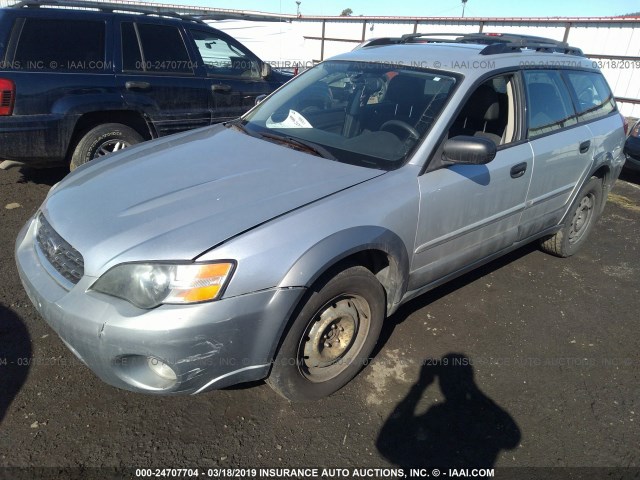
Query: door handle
(137, 85)
(584, 146)
(220, 88)
(518, 170)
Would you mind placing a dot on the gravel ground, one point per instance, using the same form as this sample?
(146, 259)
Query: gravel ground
(531, 361)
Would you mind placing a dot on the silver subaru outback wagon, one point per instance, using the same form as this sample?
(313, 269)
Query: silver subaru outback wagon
(274, 246)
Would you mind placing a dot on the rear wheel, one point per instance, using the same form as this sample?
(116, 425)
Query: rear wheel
(102, 140)
(332, 336)
(582, 217)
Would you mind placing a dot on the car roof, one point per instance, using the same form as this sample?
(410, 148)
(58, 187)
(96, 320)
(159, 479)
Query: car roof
(470, 59)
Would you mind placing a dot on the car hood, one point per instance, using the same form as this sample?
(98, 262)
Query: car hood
(174, 198)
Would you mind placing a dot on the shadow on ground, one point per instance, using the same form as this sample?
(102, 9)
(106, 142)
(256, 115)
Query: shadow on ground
(424, 300)
(467, 430)
(15, 351)
(42, 176)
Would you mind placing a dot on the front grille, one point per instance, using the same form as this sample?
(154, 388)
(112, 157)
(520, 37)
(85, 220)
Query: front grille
(63, 257)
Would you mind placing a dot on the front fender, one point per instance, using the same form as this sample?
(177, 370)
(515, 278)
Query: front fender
(340, 245)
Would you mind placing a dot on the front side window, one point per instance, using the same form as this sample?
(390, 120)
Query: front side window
(549, 105)
(222, 57)
(489, 112)
(61, 45)
(357, 112)
(594, 98)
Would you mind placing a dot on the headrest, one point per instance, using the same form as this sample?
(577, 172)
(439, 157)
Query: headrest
(483, 104)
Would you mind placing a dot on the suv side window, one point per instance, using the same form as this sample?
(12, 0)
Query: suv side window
(549, 105)
(221, 57)
(61, 45)
(593, 97)
(489, 112)
(131, 55)
(163, 49)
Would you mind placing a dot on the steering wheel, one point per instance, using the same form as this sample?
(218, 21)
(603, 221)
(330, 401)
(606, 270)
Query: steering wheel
(413, 133)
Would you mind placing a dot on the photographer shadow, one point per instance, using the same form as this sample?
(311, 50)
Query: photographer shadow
(467, 430)
(15, 344)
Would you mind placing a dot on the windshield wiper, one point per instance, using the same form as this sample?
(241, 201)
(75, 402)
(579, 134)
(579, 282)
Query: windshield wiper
(237, 125)
(303, 145)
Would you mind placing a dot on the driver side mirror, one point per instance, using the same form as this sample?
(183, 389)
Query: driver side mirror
(467, 150)
(266, 70)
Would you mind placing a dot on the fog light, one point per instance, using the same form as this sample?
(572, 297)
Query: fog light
(161, 369)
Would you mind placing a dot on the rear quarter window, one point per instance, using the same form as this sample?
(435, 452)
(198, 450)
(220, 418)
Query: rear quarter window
(592, 95)
(60, 45)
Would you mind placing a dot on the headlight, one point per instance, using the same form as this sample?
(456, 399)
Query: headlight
(635, 131)
(147, 285)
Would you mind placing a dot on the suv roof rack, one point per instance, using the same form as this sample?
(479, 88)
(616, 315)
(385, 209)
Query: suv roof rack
(506, 42)
(106, 7)
(496, 42)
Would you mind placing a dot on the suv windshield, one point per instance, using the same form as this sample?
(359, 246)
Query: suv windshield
(368, 114)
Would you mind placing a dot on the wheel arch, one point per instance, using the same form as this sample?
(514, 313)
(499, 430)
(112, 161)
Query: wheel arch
(604, 172)
(375, 248)
(130, 118)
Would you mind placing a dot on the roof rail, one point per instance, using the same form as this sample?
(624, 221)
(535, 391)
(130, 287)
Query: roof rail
(496, 42)
(430, 37)
(106, 7)
(496, 48)
(506, 43)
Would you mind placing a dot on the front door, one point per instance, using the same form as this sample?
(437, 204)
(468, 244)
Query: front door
(468, 212)
(234, 76)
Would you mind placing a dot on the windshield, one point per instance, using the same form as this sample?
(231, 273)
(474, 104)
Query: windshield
(362, 113)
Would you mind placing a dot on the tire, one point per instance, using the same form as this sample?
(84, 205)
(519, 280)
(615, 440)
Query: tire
(101, 140)
(331, 337)
(582, 216)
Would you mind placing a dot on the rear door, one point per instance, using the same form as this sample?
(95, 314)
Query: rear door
(234, 77)
(597, 109)
(562, 149)
(158, 77)
(61, 68)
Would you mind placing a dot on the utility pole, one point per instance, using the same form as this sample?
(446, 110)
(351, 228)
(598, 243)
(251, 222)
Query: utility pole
(464, 4)
(298, 2)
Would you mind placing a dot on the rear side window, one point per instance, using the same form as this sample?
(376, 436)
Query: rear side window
(593, 96)
(549, 105)
(61, 45)
(163, 49)
(131, 57)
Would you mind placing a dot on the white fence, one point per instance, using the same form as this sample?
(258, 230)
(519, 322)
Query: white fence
(612, 42)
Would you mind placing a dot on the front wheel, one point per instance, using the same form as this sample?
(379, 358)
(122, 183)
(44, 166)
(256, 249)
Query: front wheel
(332, 336)
(102, 140)
(583, 214)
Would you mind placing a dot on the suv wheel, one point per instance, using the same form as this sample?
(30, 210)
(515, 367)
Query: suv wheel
(332, 336)
(582, 216)
(102, 140)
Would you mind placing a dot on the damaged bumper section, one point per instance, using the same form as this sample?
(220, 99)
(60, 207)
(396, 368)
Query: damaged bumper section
(172, 349)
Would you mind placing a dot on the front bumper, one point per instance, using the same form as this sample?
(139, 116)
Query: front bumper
(208, 345)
